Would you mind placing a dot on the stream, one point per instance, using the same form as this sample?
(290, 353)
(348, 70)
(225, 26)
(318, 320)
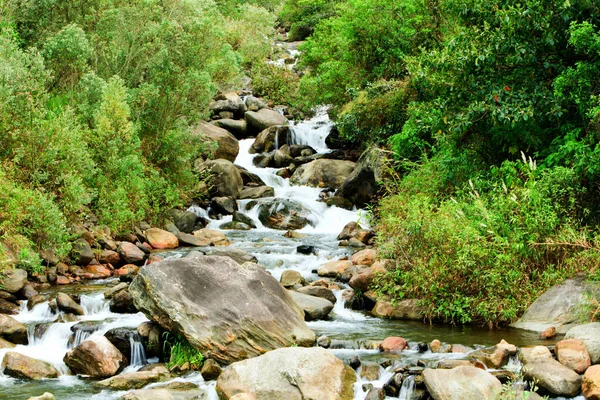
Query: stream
(352, 333)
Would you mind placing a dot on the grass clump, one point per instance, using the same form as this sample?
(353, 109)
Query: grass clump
(180, 352)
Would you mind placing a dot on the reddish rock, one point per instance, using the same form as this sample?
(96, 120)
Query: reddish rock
(161, 239)
(62, 280)
(128, 270)
(549, 333)
(97, 272)
(153, 259)
(364, 257)
(96, 357)
(363, 279)
(109, 257)
(572, 354)
(590, 384)
(130, 253)
(333, 269)
(393, 343)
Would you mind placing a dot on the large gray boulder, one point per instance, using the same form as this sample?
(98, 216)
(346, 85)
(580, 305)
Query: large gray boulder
(551, 377)
(291, 374)
(362, 185)
(314, 307)
(185, 221)
(559, 307)
(238, 127)
(13, 280)
(220, 142)
(226, 180)
(589, 334)
(283, 214)
(256, 192)
(228, 102)
(323, 173)
(238, 255)
(271, 139)
(170, 391)
(232, 311)
(263, 119)
(81, 252)
(12, 330)
(461, 383)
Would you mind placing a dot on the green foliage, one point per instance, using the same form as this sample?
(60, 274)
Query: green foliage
(276, 83)
(251, 33)
(301, 16)
(180, 352)
(67, 54)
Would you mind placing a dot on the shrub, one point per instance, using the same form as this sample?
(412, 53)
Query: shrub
(180, 352)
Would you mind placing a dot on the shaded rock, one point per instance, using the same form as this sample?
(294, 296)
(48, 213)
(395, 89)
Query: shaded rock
(22, 367)
(122, 303)
(161, 239)
(250, 179)
(225, 177)
(130, 253)
(221, 143)
(572, 354)
(318, 291)
(305, 249)
(224, 205)
(322, 173)
(109, 257)
(27, 291)
(6, 307)
(183, 220)
(238, 127)
(12, 330)
(13, 280)
(234, 225)
(238, 255)
(590, 335)
(228, 102)
(290, 278)
(256, 192)
(134, 380)
(291, 374)
(210, 370)
(243, 218)
(560, 307)
(461, 383)
(283, 214)
(67, 305)
(81, 252)
(363, 279)
(255, 104)
(315, 308)
(271, 138)
(191, 240)
(263, 119)
(96, 357)
(187, 296)
(109, 293)
(590, 384)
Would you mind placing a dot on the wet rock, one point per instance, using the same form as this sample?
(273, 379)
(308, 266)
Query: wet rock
(291, 374)
(305, 249)
(315, 308)
(283, 214)
(210, 370)
(122, 303)
(435, 346)
(130, 253)
(27, 291)
(151, 334)
(243, 218)
(96, 357)
(572, 354)
(340, 202)
(187, 296)
(333, 269)
(221, 143)
(211, 237)
(324, 341)
(6, 307)
(590, 384)
(109, 257)
(96, 272)
(81, 252)
(393, 343)
(354, 362)
(560, 307)
(171, 391)
(263, 119)
(161, 239)
(551, 376)
(549, 333)
(13, 280)
(237, 127)
(238, 255)
(45, 396)
(191, 240)
(127, 272)
(256, 192)
(109, 293)
(407, 309)
(318, 291)
(67, 305)
(291, 278)
(12, 330)
(183, 220)
(495, 359)
(375, 394)
(226, 178)
(590, 335)
(322, 173)
(369, 371)
(134, 380)
(461, 383)
(224, 205)
(22, 367)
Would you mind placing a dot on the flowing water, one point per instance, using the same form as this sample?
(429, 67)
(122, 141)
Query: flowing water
(353, 333)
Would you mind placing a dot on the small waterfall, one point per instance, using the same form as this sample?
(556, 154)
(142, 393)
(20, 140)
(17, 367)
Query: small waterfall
(138, 355)
(314, 131)
(80, 336)
(95, 304)
(407, 388)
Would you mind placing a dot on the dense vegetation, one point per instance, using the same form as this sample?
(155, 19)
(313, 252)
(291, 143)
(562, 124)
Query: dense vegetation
(96, 103)
(491, 109)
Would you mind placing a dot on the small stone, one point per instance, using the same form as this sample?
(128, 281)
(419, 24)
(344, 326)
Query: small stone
(289, 278)
(354, 362)
(324, 341)
(210, 370)
(393, 343)
(549, 333)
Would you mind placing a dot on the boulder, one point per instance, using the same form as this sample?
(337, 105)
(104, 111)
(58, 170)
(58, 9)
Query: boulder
(270, 139)
(250, 179)
(228, 102)
(364, 257)
(121, 338)
(225, 178)
(183, 220)
(130, 253)
(349, 231)
(7, 307)
(20, 366)
(291, 374)
(560, 307)
(161, 239)
(238, 127)
(393, 343)
(186, 239)
(590, 335)
(171, 391)
(461, 383)
(45, 396)
(255, 104)
(109, 257)
(318, 291)
(238, 255)
(315, 308)
(283, 214)
(551, 377)
(5, 344)
(572, 354)
(243, 218)
(96, 357)
(81, 252)
(96, 272)
(134, 380)
(13, 280)
(121, 303)
(322, 173)
(127, 272)
(363, 279)
(232, 311)
(262, 119)
(256, 192)
(12, 330)
(223, 205)
(590, 383)
(67, 305)
(290, 278)
(361, 187)
(221, 143)
(110, 293)
(234, 225)
(211, 237)
(210, 370)
(333, 269)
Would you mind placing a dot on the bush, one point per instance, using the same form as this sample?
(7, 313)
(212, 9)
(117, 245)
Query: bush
(180, 352)
(276, 83)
